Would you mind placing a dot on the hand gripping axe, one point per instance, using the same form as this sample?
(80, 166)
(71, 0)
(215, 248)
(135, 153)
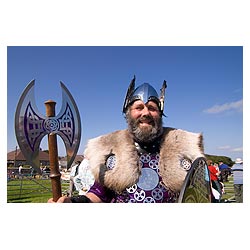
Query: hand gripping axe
(31, 127)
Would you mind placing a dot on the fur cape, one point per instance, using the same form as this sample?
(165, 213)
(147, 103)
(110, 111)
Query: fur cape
(176, 145)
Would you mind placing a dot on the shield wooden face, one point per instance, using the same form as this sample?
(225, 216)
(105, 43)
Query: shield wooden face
(196, 188)
(31, 126)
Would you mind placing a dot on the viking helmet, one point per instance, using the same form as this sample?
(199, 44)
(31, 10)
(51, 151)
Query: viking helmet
(144, 92)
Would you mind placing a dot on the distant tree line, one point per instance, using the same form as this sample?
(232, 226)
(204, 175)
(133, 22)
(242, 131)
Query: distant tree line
(217, 159)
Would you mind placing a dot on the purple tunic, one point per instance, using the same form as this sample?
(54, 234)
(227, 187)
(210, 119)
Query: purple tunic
(148, 189)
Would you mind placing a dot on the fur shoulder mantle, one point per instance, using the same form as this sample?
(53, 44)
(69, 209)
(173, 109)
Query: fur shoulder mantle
(176, 145)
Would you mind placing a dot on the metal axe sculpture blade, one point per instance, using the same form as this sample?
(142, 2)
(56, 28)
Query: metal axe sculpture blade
(31, 126)
(70, 125)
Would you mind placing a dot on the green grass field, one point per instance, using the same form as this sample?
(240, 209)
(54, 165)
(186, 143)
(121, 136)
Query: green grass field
(229, 191)
(30, 190)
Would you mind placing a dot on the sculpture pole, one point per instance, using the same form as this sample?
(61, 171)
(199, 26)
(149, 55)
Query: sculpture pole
(55, 174)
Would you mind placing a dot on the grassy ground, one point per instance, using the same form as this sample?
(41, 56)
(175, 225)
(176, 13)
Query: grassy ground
(30, 190)
(228, 196)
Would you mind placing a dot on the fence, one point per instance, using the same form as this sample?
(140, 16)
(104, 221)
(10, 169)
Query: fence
(29, 187)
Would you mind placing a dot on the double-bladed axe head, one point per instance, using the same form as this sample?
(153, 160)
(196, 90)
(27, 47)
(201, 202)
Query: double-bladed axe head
(31, 126)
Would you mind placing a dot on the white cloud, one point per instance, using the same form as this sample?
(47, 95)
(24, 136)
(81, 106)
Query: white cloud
(232, 106)
(224, 147)
(230, 149)
(237, 149)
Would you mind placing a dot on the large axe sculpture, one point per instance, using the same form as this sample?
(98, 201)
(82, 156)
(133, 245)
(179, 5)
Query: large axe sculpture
(31, 127)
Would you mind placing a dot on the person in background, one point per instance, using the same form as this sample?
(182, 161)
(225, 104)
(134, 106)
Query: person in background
(73, 173)
(222, 186)
(214, 173)
(84, 178)
(237, 170)
(20, 169)
(224, 171)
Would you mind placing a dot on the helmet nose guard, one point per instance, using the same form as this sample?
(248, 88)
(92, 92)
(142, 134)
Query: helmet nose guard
(145, 93)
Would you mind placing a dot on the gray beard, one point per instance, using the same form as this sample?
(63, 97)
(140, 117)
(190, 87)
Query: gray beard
(145, 134)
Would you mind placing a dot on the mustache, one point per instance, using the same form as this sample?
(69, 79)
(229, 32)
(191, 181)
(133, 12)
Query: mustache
(146, 118)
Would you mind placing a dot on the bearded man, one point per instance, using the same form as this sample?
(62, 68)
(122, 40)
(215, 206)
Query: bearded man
(145, 162)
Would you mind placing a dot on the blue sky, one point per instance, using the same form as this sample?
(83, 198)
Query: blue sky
(204, 93)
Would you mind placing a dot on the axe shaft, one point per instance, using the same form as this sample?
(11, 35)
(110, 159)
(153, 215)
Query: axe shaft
(55, 174)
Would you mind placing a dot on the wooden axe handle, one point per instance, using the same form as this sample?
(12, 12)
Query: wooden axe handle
(55, 174)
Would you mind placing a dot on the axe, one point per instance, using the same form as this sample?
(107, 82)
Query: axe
(31, 126)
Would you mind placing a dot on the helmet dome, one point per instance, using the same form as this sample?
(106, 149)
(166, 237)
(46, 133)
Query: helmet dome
(145, 92)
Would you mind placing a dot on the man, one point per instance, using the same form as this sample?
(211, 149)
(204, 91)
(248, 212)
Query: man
(237, 169)
(225, 171)
(20, 170)
(144, 163)
(214, 173)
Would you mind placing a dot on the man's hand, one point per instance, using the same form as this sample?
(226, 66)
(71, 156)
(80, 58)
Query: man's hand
(63, 199)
